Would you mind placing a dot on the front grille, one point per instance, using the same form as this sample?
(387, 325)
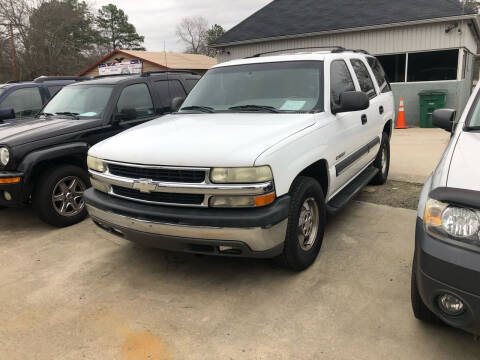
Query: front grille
(158, 174)
(158, 197)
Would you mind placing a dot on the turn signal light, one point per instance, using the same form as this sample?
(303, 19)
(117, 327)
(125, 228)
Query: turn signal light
(264, 199)
(14, 180)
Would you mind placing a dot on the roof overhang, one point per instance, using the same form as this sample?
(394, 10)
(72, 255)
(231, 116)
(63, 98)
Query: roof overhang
(471, 17)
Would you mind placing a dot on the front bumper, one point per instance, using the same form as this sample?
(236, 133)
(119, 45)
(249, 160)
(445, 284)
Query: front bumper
(446, 268)
(230, 232)
(15, 190)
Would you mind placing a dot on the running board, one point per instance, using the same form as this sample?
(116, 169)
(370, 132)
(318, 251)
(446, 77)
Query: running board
(352, 189)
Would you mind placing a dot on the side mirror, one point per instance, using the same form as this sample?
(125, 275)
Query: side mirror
(351, 101)
(6, 114)
(176, 103)
(444, 119)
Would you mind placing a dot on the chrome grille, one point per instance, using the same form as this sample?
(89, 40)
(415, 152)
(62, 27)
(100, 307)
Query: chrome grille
(158, 174)
(159, 197)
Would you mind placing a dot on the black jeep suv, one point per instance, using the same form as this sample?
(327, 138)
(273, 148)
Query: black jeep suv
(43, 160)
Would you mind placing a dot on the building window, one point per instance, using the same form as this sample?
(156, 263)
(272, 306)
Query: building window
(433, 66)
(394, 66)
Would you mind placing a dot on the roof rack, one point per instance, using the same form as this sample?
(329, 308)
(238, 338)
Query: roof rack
(334, 49)
(148, 73)
(42, 79)
(112, 75)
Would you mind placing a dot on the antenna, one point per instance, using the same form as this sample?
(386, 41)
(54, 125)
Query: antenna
(168, 81)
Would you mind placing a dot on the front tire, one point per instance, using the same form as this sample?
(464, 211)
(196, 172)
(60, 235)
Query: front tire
(306, 224)
(382, 162)
(58, 196)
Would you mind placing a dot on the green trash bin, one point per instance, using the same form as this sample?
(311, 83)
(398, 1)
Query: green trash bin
(430, 100)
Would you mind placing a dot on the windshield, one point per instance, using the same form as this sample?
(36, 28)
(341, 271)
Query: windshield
(294, 86)
(80, 101)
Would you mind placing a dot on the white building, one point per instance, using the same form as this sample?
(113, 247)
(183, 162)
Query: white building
(422, 44)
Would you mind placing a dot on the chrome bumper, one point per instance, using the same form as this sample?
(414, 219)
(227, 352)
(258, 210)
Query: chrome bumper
(257, 239)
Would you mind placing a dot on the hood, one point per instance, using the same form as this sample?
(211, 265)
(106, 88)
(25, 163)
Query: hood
(222, 139)
(22, 132)
(464, 170)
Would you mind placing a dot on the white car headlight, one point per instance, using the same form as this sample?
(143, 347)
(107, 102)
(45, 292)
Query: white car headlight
(447, 221)
(96, 164)
(241, 175)
(4, 156)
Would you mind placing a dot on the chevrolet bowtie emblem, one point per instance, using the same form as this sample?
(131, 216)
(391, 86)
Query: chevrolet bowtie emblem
(144, 185)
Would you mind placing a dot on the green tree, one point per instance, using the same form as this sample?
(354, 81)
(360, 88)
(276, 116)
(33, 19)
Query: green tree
(116, 31)
(213, 34)
(60, 39)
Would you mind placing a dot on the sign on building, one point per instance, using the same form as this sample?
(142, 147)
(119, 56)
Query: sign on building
(124, 67)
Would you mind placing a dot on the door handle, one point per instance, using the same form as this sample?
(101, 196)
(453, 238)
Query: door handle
(364, 119)
(381, 109)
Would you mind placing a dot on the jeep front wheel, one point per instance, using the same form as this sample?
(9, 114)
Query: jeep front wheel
(306, 224)
(58, 197)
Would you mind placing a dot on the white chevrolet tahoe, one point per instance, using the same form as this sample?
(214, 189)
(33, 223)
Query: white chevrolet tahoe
(258, 154)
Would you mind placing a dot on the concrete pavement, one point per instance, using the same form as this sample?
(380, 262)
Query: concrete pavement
(79, 293)
(415, 153)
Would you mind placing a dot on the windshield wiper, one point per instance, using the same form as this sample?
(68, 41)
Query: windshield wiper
(207, 109)
(67, 113)
(44, 114)
(255, 108)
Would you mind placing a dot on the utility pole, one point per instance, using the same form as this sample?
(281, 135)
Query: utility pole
(14, 53)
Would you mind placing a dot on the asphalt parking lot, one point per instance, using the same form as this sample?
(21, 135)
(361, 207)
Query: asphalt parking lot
(79, 293)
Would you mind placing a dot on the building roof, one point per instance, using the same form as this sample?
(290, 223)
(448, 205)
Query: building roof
(283, 18)
(174, 61)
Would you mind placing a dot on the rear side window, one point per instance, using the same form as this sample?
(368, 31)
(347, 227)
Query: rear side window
(363, 76)
(379, 75)
(340, 80)
(25, 102)
(167, 90)
(191, 84)
(54, 89)
(134, 103)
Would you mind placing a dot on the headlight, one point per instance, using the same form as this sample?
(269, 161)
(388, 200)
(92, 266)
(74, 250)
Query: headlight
(241, 175)
(4, 156)
(445, 221)
(96, 164)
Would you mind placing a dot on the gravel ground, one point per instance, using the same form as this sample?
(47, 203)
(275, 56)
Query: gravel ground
(397, 194)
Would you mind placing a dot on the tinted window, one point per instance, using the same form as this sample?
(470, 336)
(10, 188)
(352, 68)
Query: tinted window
(366, 83)
(135, 102)
(25, 102)
(54, 89)
(191, 83)
(169, 89)
(340, 81)
(379, 75)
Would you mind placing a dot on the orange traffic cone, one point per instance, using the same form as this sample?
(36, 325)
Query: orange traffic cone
(401, 124)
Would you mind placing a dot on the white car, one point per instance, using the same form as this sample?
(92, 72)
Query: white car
(258, 154)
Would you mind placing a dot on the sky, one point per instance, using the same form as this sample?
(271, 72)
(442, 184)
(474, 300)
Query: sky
(157, 19)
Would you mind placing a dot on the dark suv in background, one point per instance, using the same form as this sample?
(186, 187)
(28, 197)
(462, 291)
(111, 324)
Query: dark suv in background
(23, 100)
(43, 160)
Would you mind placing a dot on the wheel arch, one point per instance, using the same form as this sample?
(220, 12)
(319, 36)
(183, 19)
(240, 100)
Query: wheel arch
(388, 128)
(318, 171)
(38, 161)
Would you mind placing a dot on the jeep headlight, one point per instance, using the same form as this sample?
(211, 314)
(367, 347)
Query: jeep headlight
(241, 175)
(4, 156)
(445, 221)
(96, 164)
